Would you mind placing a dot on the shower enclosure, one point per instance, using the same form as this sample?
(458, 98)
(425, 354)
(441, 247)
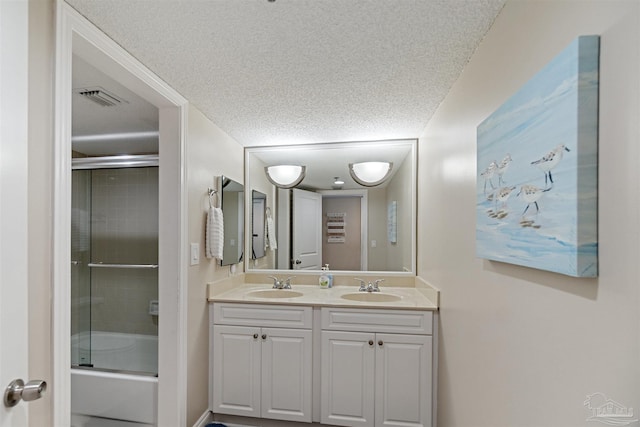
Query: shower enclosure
(114, 288)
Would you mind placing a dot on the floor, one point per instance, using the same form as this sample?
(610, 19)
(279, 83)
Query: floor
(86, 421)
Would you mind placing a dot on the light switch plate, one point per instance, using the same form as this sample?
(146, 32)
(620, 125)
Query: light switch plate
(195, 254)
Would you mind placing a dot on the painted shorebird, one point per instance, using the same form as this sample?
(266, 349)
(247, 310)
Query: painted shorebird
(502, 167)
(487, 175)
(502, 195)
(550, 161)
(531, 194)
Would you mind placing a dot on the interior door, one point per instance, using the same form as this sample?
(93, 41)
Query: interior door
(14, 333)
(307, 230)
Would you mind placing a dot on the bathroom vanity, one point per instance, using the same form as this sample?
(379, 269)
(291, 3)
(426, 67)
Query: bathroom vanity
(333, 356)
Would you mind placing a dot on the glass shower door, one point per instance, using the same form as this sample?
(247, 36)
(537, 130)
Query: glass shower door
(114, 294)
(80, 271)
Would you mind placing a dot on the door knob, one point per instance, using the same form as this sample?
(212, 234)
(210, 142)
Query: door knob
(17, 390)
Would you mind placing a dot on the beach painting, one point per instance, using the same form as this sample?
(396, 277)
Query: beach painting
(537, 169)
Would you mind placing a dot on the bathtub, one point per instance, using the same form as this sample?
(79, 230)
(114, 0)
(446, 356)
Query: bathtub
(123, 395)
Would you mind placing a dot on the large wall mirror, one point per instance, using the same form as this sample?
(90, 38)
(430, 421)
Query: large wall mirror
(328, 217)
(233, 212)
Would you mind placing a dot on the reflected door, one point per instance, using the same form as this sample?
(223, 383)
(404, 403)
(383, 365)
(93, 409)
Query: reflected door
(307, 230)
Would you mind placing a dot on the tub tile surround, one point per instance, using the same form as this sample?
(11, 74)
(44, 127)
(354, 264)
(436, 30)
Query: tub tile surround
(415, 292)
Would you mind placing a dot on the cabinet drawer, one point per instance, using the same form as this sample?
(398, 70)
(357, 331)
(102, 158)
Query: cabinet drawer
(370, 320)
(278, 316)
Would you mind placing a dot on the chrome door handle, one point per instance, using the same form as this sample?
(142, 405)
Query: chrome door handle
(17, 390)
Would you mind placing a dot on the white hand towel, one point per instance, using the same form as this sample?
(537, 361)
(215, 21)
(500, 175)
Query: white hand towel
(214, 233)
(271, 234)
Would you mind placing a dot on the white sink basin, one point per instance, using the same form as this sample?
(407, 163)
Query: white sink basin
(274, 293)
(371, 297)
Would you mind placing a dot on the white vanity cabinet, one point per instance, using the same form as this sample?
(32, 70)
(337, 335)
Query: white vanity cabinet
(377, 367)
(261, 361)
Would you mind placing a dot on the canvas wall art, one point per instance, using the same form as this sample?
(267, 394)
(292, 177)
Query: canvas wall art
(537, 162)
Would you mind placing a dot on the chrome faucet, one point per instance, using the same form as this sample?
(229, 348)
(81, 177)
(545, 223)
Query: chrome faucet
(282, 283)
(363, 287)
(374, 287)
(371, 287)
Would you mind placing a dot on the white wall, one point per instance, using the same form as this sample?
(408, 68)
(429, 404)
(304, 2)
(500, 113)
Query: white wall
(210, 152)
(520, 346)
(259, 182)
(377, 229)
(399, 254)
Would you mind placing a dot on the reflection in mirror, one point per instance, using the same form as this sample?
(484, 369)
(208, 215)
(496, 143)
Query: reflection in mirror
(329, 218)
(232, 203)
(258, 218)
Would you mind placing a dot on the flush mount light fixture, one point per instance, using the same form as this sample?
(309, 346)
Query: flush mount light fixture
(370, 174)
(285, 176)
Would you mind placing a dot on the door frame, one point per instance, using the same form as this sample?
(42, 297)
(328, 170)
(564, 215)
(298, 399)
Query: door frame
(75, 34)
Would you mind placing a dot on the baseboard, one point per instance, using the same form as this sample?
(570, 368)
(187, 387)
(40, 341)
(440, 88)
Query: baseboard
(206, 418)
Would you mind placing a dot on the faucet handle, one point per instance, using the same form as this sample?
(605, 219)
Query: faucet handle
(277, 283)
(363, 287)
(375, 285)
(288, 282)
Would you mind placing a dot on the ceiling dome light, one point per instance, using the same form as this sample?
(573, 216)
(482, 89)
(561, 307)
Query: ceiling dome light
(370, 174)
(285, 176)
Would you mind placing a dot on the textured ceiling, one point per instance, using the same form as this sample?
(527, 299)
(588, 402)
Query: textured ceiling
(300, 71)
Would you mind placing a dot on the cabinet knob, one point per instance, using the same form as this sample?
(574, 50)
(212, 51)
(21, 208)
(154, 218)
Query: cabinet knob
(255, 336)
(380, 343)
(370, 342)
(264, 336)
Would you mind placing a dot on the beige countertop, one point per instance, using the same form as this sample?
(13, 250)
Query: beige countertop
(410, 298)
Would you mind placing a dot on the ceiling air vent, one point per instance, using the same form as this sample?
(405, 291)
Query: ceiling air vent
(100, 96)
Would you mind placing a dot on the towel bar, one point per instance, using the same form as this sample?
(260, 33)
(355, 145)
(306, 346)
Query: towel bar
(99, 264)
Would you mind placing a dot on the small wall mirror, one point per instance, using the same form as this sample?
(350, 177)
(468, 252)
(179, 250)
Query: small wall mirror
(329, 218)
(258, 224)
(232, 203)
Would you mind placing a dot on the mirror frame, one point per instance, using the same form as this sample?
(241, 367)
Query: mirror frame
(249, 265)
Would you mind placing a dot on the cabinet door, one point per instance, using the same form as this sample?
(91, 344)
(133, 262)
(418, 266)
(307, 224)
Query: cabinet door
(347, 387)
(236, 370)
(286, 374)
(403, 380)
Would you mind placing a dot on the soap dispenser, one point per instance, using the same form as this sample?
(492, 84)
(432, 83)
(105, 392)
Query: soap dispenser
(324, 279)
(329, 276)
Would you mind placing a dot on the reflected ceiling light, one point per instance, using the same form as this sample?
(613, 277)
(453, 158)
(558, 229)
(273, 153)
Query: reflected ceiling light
(338, 181)
(285, 176)
(370, 174)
